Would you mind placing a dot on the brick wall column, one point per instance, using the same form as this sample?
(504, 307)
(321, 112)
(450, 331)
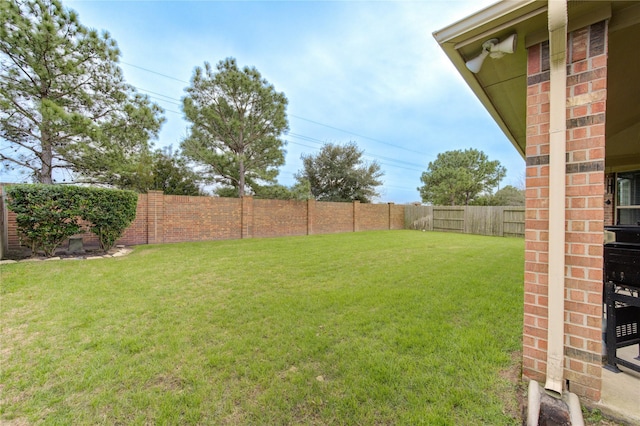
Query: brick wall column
(311, 215)
(586, 104)
(247, 217)
(155, 217)
(356, 211)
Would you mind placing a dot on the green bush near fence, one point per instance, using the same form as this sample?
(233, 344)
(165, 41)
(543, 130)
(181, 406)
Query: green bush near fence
(46, 215)
(109, 213)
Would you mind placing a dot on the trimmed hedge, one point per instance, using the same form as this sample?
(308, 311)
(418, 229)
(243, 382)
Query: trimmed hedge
(110, 212)
(47, 215)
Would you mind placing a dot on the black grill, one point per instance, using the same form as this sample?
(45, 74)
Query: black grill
(622, 294)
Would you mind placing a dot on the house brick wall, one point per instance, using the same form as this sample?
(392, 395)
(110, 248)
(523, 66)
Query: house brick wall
(584, 220)
(175, 218)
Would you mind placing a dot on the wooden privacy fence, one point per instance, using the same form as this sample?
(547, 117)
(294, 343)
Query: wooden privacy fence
(482, 220)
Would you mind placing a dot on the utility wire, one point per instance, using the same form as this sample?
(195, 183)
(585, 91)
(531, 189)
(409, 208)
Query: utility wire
(297, 136)
(359, 135)
(153, 72)
(291, 115)
(175, 101)
(375, 157)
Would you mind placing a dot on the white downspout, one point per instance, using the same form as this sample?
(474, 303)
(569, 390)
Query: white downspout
(557, 12)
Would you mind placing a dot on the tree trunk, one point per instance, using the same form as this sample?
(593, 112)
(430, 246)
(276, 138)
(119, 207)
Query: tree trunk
(46, 170)
(241, 178)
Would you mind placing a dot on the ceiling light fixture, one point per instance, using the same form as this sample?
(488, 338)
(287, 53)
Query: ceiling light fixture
(495, 49)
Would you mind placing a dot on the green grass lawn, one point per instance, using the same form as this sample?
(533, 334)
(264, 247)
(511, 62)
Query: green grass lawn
(392, 327)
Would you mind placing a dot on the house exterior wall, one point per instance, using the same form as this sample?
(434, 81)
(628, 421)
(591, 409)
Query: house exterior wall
(585, 186)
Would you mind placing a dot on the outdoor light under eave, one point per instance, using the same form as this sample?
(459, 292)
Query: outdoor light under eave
(495, 49)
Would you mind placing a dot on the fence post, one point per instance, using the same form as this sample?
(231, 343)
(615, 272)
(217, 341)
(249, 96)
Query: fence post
(311, 215)
(356, 208)
(155, 217)
(390, 207)
(247, 217)
(4, 225)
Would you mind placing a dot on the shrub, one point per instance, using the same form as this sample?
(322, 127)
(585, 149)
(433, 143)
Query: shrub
(46, 215)
(109, 212)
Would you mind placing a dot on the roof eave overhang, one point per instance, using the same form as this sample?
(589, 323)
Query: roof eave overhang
(481, 20)
(481, 26)
(501, 87)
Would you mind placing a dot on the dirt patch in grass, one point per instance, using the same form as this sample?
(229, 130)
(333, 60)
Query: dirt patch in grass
(514, 394)
(167, 383)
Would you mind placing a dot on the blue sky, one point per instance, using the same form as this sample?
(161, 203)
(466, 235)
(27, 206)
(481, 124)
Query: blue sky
(362, 71)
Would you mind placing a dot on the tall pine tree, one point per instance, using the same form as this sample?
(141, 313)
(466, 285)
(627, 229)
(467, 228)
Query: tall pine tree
(237, 119)
(63, 99)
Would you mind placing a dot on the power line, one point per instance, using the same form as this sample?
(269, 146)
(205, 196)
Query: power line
(291, 115)
(153, 72)
(297, 136)
(359, 135)
(171, 100)
(365, 155)
(373, 156)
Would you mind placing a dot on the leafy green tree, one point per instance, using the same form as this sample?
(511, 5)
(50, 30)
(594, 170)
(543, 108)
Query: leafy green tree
(47, 215)
(109, 213)
(459, 177)
(507, 196)
(172, 175)
(63, 99)
(226, 191)
(159, 171)
(299, 191)
(237, 119)
(338, 173)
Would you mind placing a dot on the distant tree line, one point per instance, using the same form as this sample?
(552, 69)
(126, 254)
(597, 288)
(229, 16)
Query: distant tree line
(467, 177)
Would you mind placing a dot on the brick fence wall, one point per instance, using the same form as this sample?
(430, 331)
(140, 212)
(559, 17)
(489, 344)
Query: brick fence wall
(586, 103)
(175, 218)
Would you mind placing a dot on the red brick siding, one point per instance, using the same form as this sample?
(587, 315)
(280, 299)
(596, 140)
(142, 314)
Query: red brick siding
(586, 104)
(12, 230)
